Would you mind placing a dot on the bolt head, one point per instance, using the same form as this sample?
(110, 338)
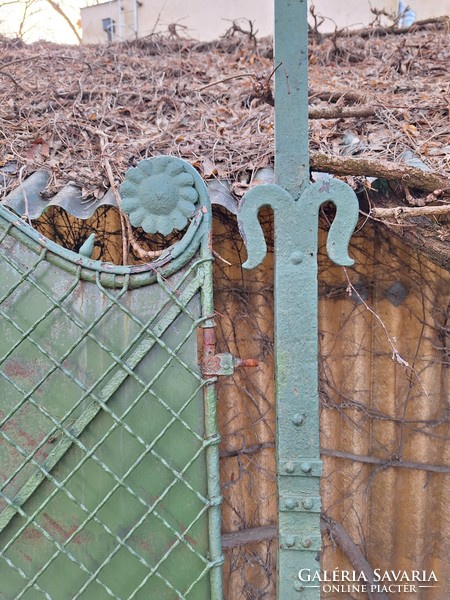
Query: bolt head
(298, 419)
(291, 503)
(308, 503)
(290, 541)
(297, 258)
(298, 586)
(307, 543)
(289, 467)
(306, 467)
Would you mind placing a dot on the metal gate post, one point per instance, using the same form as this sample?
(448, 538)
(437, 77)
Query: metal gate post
(296, 206)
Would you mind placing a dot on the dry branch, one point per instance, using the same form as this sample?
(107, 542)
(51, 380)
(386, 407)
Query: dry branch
(409, 212)
(103, 143)
(337, 95)
(16, 83)
(368, 32)
(341, 112)
(338, 534)
(427, 236)
(247, 451)
(368, 167)
(387, 463)
(249, 536)
(60, 11)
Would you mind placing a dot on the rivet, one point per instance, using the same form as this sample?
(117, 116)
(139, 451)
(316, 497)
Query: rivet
(298, 586)
(291, 503)
(307, 543)
(307, 503)
(290, 541)
(298, 419)
(296, 258)
(289, 467)
(306, 467)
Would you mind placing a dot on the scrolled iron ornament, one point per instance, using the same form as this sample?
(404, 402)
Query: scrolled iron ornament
(296, 222)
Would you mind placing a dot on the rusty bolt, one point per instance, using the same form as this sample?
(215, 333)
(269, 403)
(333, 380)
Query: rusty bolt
(246, 362)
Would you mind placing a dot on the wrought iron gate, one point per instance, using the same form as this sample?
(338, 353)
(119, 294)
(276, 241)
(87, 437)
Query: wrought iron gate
(108, 440)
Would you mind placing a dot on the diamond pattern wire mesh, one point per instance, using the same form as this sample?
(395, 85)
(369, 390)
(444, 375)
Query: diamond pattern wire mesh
(103, 491)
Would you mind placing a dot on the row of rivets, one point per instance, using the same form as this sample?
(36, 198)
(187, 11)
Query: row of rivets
(292, 503)
(289, 467)
(291, 540)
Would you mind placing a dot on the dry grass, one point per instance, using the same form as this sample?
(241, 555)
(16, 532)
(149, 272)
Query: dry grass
(160, 95)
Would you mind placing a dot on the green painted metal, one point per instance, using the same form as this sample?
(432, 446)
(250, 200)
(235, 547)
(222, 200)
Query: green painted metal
(296, 206)
(108, 441)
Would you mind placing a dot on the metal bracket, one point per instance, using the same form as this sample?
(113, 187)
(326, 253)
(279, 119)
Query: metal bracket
(225, 364)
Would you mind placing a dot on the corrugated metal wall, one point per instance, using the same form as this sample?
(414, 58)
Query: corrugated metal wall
(384, 411)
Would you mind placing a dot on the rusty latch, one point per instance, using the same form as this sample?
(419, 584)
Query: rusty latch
(225, 364)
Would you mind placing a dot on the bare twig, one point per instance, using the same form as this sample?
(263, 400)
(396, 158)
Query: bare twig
(249, 536)
(409, 212)
(341, 112)
(60, 11)
(224, 80)
(143, 254)
(369, 167)
(387, 463)
(338, 534)
(16, 83)
(103, 143)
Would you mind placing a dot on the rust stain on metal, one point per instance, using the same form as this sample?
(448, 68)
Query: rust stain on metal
(225, 364)
(55, 529)
(14, 368)
(209, 342)
(246, 362)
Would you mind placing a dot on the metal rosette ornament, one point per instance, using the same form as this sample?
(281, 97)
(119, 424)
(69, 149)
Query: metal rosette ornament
(164, 194)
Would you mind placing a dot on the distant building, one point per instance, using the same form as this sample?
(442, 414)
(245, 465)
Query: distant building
(118, 20)
(199, 19)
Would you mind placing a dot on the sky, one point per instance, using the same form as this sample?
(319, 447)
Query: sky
(42, 22)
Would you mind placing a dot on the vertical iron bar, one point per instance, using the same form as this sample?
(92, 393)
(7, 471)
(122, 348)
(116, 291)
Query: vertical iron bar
(291, 96)
(296, 206)
(211, 430)
(298, 454)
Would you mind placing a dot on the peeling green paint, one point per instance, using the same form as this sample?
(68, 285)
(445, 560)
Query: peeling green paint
(296, 206)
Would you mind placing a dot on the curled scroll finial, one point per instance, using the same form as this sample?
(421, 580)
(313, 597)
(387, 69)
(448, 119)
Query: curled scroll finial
(344, 223)
(262, 195)
(296, 222)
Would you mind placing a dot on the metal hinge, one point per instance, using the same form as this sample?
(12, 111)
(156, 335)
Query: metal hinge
(225, 364)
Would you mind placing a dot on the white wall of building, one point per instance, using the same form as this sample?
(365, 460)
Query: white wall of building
(207, 20)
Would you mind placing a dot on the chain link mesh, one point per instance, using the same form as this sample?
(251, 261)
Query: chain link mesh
(103, 493)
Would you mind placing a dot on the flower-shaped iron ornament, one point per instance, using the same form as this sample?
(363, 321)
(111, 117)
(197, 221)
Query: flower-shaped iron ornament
(159, 195)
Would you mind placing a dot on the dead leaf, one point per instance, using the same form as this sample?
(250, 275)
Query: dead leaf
(38, 149)
(206, 167)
